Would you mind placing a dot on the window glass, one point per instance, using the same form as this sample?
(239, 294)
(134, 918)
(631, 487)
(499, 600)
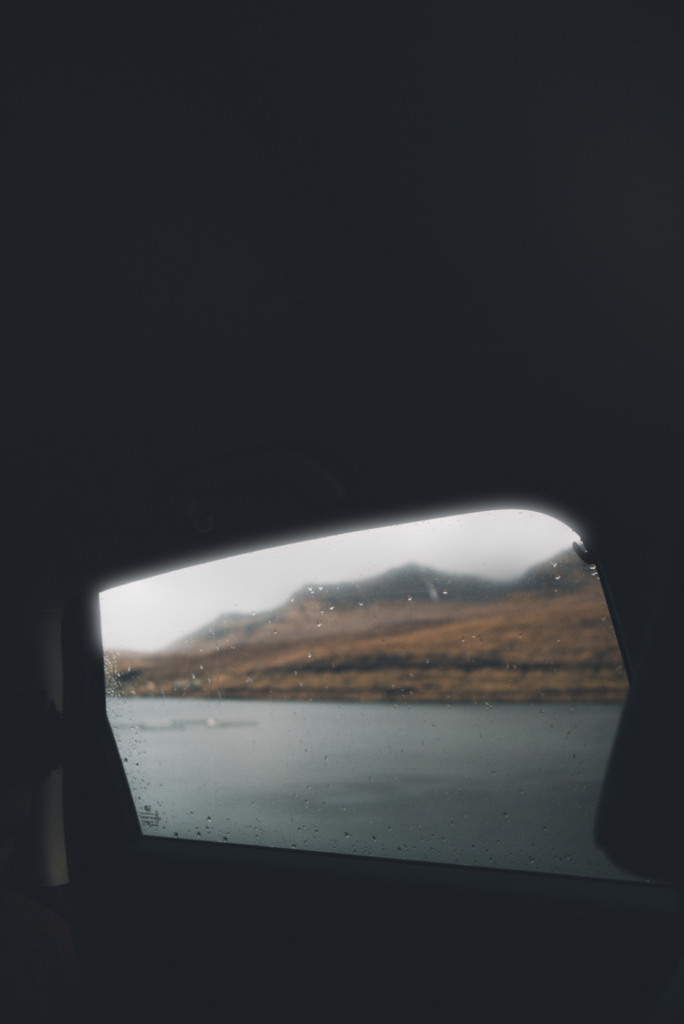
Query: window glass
(446, 690)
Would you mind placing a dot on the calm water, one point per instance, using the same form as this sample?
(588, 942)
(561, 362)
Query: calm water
(511, 786)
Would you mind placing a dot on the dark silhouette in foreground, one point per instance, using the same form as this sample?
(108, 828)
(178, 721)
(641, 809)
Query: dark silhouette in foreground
(40, 980)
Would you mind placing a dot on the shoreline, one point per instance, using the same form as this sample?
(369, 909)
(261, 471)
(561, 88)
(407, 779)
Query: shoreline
(565, 697)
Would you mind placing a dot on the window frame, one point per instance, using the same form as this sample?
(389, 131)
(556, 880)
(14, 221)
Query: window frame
(87, 656)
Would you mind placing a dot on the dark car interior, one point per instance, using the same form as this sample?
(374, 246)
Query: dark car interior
(292, 268)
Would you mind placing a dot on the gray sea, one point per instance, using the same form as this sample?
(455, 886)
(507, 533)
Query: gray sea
(503, 786)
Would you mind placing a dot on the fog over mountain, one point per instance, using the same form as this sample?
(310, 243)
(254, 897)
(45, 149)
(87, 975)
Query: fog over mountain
(408, 634)
(411, 582)
(497, 545)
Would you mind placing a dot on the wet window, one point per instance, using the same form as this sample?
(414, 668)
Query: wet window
(446, 690)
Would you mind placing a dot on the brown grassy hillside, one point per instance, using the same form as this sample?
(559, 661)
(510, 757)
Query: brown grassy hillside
(539, 643)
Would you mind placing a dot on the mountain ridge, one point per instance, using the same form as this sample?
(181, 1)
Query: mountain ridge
(409, 582)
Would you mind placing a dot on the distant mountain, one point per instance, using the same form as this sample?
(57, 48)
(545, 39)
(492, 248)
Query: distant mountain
(220, 627)
(411, 581)
(565, 572)
(421, 583)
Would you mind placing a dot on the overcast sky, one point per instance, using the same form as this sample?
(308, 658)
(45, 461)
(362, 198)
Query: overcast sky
(150, 614)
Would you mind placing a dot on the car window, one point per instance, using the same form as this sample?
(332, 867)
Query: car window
(444, 690)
